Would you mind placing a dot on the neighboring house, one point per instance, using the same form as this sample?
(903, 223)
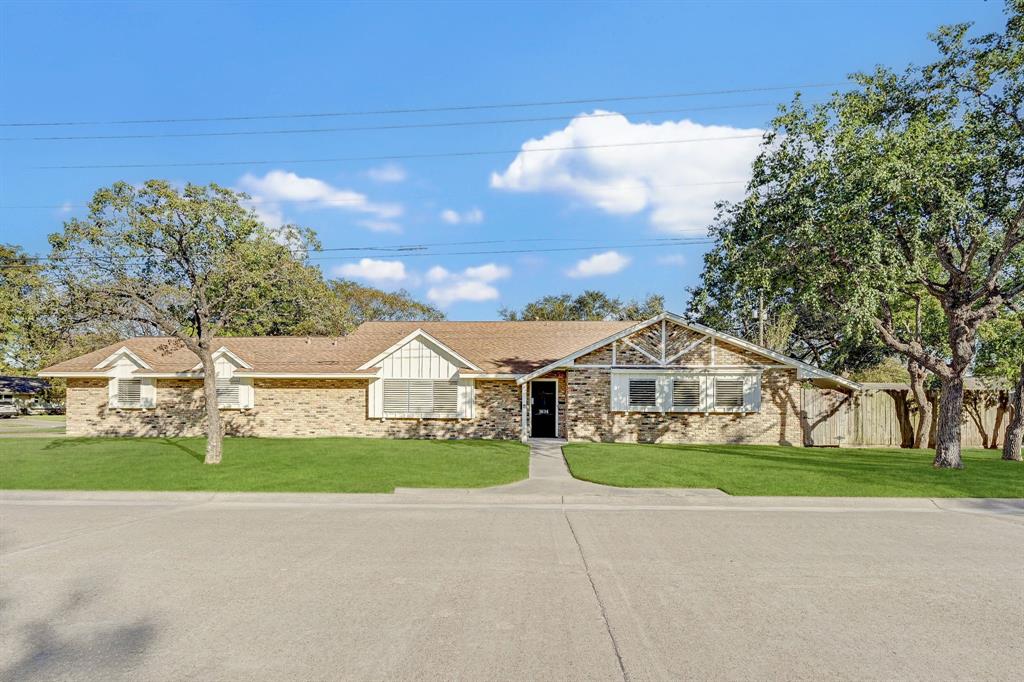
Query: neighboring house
(22, 390)
(662, 380)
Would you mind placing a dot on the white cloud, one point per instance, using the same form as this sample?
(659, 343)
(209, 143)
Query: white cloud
(376, 271)
(487, 273)
(672, 259)
(465, 290)
(472, 284)
(279, 186)
(668, 180)
(437, 274)
(607, 263)
(389, 172)
(381, 225)
(473, 216)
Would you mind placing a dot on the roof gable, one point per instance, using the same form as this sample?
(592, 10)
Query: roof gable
(661, 356)
(427, 340)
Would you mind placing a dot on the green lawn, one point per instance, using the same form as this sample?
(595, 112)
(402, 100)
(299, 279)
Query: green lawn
(766, 470)
(258, 464)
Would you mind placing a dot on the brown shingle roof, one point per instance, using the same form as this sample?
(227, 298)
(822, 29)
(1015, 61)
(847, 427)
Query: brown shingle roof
(495, 347)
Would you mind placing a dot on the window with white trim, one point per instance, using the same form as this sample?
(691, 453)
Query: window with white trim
(229, 392)
(129, 392)
(421, 397)
(729, 393)
(686, 394)
(643, 393)
(686, 391)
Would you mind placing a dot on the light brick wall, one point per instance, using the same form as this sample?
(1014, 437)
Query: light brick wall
(591, 418)
(285, 407)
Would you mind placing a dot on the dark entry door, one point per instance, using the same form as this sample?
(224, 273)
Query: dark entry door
(542, 412)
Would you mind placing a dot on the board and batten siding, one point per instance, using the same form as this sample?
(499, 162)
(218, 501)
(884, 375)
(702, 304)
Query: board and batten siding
(418, 359)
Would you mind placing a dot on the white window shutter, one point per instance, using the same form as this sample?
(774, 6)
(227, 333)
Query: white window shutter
(752, 394)
(620, 393)
(148, 393)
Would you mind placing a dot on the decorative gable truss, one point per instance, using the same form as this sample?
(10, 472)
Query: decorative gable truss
(234, 391)
(420, 378)
(667, 364)
(125, 389)
(662, 343)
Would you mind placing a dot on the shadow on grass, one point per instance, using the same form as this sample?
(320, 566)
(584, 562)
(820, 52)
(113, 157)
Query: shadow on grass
(194, 454)
(63, 443)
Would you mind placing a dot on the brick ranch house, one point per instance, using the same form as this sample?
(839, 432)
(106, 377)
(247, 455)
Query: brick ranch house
(661, 380)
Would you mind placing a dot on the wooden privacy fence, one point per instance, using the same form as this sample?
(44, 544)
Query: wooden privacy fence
(871, 417)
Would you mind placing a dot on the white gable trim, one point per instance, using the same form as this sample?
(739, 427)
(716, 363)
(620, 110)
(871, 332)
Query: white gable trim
(423, 336)
(804, 371)
(121, 352)
(233, 357)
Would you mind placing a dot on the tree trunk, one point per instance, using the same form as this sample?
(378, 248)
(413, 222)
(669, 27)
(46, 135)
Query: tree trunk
(1015, 427)
(899, 399)
(947, 436)
(918, 374)
(214, 430)
(1001, 409)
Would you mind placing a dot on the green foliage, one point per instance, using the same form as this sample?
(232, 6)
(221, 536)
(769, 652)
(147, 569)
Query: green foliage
(888, 371)
(194, 263)
(907, 187)
(590, 305)
(22, 305)
(357, 304)
(342, 465)
(1001, 351)
(156, 259)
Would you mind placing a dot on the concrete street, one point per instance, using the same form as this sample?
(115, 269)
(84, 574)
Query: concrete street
(456, 585)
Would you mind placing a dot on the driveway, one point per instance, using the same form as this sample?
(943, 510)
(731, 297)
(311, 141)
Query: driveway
(42, 426)
(239, 587)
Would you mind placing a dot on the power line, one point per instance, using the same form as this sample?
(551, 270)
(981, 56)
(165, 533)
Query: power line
(394, 126)
(421, 250)
(390, 157)
(426, 245)
(340, 202)
(421, 110)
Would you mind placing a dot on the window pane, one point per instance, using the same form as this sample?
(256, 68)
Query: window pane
(446, 396)
(686, 393)
(396, 395)
(642, 392)
(129, 391)
(420, 397)
(728, 392)
(228, 391)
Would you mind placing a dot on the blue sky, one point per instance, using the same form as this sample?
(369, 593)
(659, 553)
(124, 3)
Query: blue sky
(615, 207)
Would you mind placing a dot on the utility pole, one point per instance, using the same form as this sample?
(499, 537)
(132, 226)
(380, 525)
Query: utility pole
(760, 318)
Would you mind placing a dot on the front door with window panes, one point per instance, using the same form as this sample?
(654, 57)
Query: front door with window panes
(543, 409)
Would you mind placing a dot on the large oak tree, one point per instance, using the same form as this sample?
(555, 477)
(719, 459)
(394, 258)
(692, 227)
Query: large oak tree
(191, 264)
(910, 183)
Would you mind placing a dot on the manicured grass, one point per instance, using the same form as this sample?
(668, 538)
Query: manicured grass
(258, 464)
(765, 470)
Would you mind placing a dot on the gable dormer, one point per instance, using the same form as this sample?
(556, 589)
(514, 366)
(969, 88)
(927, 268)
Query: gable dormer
(419, 378)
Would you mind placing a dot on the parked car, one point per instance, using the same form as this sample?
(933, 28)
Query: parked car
(44, 408)
(8, 410)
